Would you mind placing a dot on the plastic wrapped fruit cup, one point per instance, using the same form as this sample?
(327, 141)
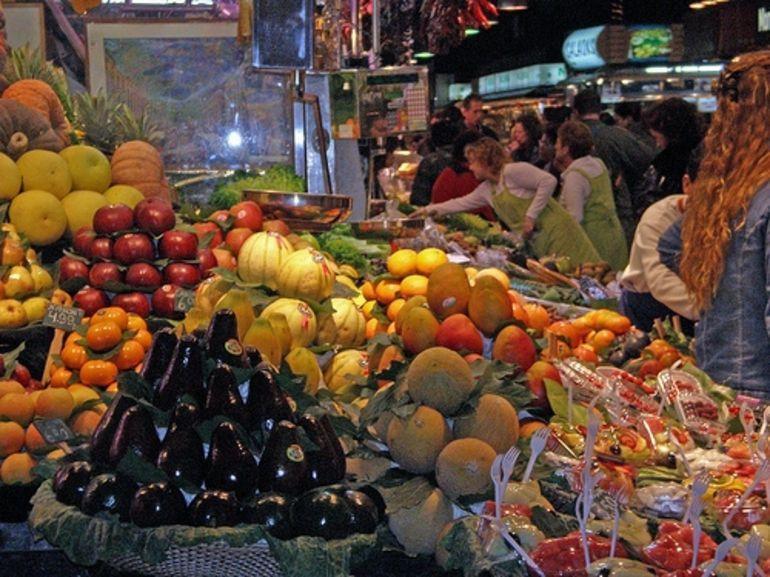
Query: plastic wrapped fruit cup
(753, 512)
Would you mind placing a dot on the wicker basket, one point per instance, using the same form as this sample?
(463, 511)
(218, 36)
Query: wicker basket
(206, 560)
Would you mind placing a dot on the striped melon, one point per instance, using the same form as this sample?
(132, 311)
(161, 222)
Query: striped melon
(261, 257)
(306, 274)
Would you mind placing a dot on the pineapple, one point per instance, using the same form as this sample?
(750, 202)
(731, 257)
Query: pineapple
(96, 118)
(142, 128)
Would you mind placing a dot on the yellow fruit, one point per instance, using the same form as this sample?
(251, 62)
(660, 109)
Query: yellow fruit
(123, 194)
(448, 290)
(55, 455)
(85, 422)
(89, 168)
(35, 308)
(303, 362)
(343, 370)
(39, 216)
(9, 386)
(440, 378)
(17, 407)
(12, 314)
(18, 282)
(306, 274)
(387, 291)
(415, 442)
(34, 441)
(345, 327)
(238, 301)
(402, 263)
(80, 207)
(45, 170)
(54, 404)
(414, 285)
(394, 308)
(494, 421)
(462, 468)
(262, 337)
(429, 259)
(299, 317)
(261, 257)
(82, 394)
(11, 438)
(17, 469)
(10, 178)
(41, 277)
(495, 273)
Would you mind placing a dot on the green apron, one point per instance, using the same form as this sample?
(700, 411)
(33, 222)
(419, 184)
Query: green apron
(601, 222)
(556, 232)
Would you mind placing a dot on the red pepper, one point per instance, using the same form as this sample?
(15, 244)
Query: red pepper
(563, 557)
(672, 548)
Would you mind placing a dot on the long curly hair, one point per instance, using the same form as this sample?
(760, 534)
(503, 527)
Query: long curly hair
(736, 163)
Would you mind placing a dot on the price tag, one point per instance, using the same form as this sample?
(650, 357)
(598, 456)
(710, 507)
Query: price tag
(59, 317)
(53, 431)
(184, 300)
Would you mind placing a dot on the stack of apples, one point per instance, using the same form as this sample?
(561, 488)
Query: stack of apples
(133, 259)
(26, 287)
(223, 233)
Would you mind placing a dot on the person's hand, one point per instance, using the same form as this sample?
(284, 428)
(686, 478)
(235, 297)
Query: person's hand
(529, 227)
(423, 211)
(513, 145)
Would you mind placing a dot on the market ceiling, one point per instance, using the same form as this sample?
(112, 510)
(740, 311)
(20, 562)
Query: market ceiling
(536, 35)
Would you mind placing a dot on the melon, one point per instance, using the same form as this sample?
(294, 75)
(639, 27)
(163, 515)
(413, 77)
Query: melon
(261, 257)
(300, 318)
(306, 274)
(344, 370)
(345, 327)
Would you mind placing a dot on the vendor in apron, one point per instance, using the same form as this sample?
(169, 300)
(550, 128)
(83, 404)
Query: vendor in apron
(520, 195)
(586, 193)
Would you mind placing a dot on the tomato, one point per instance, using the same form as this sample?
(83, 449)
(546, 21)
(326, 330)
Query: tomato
(563, 557)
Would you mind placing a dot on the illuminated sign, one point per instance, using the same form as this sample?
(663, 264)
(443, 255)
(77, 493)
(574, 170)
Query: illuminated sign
(763, 20)
(650, 43)
(581, 49)
(523, 78)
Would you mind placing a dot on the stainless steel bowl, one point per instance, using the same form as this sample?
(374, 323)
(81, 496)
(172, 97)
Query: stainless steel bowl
(393, 228)
(302, 210)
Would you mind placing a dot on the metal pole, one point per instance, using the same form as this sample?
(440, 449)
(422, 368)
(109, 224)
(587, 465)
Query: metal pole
(375, 34)
(355, 32)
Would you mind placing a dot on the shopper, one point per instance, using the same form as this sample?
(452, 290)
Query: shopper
(676, 128)
(626, 158)
(457, 180)
(442, 134)
(586, 193)
(472, 109)
(724, 234)
(524, 144)
(628, 115)
(652, 288)
(520, 195)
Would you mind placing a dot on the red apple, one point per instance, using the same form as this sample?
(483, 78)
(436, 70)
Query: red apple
(144, 275)
(163, 301)
(91, 299)
(225, 258)
(207, 260)
(34, 385)
(247, 214)
(21, 374)
(236, 237)
(182, 273)
(536, 374)
(137, 303)
(178, 245)
(219, 216)
(276, 226)
(101, 247)
(154, 215)
(131, 248)
(82, 241)
(102, 272)
(72, 268)
(113, 218)
(210, 230)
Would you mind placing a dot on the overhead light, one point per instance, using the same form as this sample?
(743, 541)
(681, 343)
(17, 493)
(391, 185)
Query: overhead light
(697, 5)
(471, 32)
(511, 5)
(709, 2)
(424, 55)
(492, 22)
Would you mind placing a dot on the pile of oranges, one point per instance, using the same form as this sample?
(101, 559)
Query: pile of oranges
(110, 342)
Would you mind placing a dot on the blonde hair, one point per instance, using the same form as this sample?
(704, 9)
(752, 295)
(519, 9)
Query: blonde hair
(488, 152)
(735, 164)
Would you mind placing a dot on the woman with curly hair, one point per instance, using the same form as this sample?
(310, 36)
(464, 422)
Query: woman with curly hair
(725, 244)
(524, 144)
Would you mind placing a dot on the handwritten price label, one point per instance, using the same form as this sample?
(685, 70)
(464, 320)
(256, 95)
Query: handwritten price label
(53, 431)
(59, 317)
(184, 300)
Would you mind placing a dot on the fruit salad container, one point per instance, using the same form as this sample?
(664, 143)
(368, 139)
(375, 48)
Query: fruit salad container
(302, 210)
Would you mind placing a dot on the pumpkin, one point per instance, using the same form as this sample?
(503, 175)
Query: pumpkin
(344, 369)
(345, 327)
(261, 257)
(306, 274)
(139, 164)
(299, 316)
(23, 129)
(39, 96)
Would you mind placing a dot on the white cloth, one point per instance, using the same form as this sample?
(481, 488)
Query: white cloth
(645, 272)
(520, 178)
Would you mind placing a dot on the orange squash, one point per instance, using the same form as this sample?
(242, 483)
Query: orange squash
(139, 164)
(39, 96)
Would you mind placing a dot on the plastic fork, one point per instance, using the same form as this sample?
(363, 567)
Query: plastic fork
(500, 527)
(723, 550)
(762, 475)
(699, 487)
(696, 508)
(537, 444)
(619, 500)
(501, 471)
(753, 549)
(682, 454)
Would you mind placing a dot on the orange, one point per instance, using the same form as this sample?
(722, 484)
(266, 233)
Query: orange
(115, 314)
(11, 438)
(373, 326)
(367, 289)
(55, 455)
(516, 298)
(72, 339)
(54, 404)
(429, 259)
(82, 394)
(402, 263)
(98, 373)
(144, 338)
(669, 358)
(585, 353)
(602, 339)
(131, 354)
(520, 314)
(8, 386)
(414, 285)
(565, 330)
(618, 324)
(60, 378)
(112, 388)
(104, 335)
(73, 356)
(391, 328)
(85, 423)
(387, 291)
(33, 396)
(17, 469)
(34, 441)
(17, 407)
(658, 348)
(135, 322)
(394, 307)
(538, 316)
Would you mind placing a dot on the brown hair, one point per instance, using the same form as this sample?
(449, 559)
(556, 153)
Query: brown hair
(488, 152)
(736, 162)
(576, 136)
